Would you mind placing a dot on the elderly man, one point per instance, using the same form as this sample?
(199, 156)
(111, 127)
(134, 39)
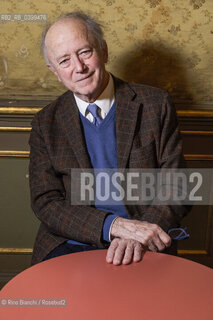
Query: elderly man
(100, 122)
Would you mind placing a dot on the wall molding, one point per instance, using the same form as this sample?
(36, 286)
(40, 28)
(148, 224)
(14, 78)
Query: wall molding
(197, 132)
(28, 129)
(195, 113)
(25, 154)
(33, 110)
(15, 129)
(16, 250)
(19, 110)
(196, 252)
(198, 157)
(30, 251)
(14, 154)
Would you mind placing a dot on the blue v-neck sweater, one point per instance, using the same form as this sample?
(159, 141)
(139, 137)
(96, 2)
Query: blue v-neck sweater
(101, 146)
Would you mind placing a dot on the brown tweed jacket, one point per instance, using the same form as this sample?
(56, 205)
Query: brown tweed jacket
(147, 137)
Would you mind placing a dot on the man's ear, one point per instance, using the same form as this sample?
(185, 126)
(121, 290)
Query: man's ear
(51, 68)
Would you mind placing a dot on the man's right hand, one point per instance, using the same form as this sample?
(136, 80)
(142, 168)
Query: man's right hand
(148, 234)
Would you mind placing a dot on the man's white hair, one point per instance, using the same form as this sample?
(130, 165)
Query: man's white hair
(93, 26)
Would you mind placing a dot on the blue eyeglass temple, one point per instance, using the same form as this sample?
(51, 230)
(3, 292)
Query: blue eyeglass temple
(182, 234)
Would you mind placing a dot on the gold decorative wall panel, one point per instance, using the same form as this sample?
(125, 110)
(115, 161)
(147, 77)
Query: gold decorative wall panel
(165, 43)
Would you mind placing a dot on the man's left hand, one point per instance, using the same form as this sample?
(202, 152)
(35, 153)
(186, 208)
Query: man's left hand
(124, 251)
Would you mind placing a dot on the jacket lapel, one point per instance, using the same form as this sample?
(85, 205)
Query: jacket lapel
(127, 108)
(71, 123)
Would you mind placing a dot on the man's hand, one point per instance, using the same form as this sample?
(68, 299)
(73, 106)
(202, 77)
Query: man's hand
(148, 234)
(124, 251)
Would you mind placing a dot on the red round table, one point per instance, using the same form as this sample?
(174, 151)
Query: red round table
(86, 287)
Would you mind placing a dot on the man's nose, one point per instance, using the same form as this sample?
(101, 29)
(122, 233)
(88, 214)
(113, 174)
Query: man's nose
(78, 64)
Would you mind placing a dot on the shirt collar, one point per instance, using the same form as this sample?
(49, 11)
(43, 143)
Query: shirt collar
(104, 101)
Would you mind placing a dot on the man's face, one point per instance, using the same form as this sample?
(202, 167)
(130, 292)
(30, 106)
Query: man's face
(76, 59)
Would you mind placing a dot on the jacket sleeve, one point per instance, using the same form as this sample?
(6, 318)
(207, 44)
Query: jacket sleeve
(169, 154)
(49, 199)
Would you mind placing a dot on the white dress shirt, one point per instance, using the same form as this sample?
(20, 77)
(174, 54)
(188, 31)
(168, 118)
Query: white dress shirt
(104, 102)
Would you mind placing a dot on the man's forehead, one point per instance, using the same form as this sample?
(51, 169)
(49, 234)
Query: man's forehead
(67, 35)
(67, 27)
